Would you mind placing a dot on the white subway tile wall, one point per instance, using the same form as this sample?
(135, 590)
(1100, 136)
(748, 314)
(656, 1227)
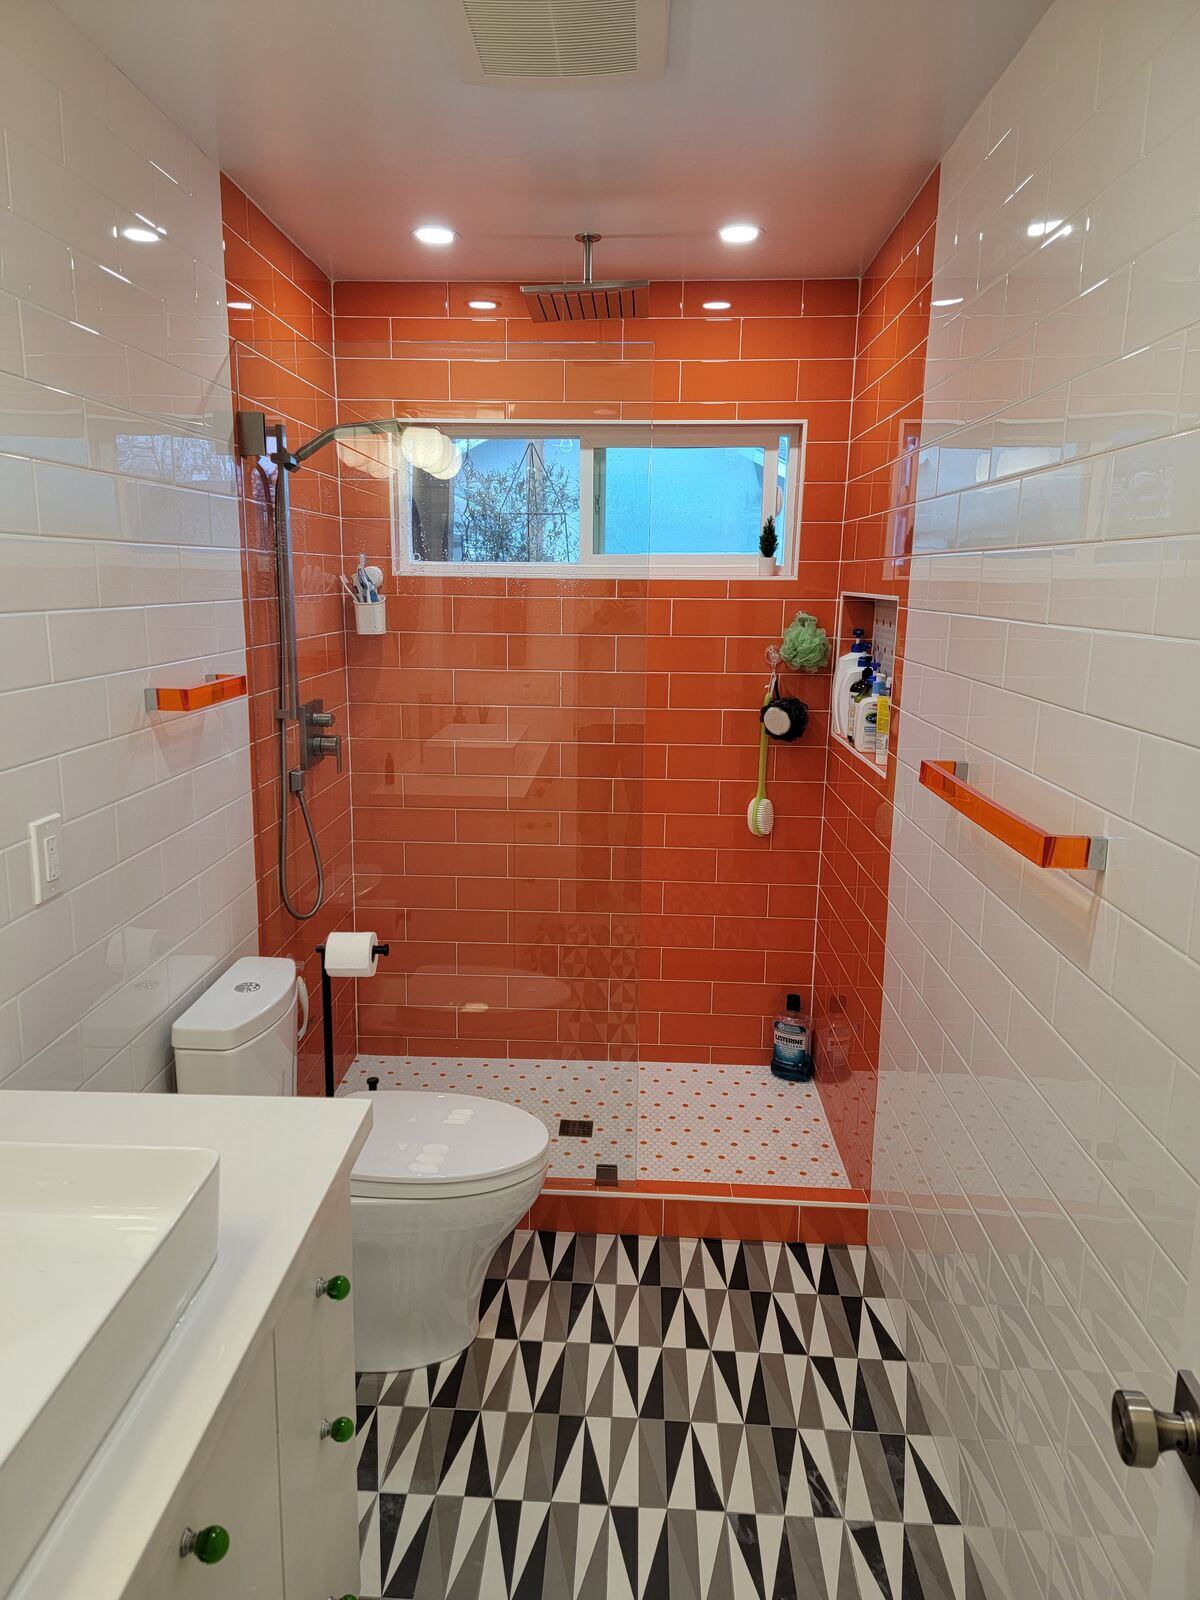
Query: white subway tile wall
(119, 570)
(1036, 1165)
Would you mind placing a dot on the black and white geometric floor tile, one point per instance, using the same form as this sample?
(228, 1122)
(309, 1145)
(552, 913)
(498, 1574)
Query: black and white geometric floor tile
(661, 1419)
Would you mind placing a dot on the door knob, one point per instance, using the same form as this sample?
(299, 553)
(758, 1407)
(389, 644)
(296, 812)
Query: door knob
(1143, 1433)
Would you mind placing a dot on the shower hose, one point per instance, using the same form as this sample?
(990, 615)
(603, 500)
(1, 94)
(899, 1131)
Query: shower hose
(286, 621)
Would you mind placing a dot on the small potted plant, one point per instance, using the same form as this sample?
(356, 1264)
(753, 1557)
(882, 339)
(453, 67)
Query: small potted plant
(768, 544)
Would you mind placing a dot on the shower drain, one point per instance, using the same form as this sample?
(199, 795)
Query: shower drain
(574, 1128)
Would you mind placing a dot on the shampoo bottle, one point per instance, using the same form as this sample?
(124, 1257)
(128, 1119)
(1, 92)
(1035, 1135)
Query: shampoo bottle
(791, 1057)
(843, 675)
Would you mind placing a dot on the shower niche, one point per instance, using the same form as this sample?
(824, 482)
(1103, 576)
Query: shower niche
(878, 616)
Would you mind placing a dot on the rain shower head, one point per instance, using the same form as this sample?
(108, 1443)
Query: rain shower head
(588, 300)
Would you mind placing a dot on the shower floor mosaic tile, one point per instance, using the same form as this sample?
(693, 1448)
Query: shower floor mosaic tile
(674, 1122)
(645, 1419)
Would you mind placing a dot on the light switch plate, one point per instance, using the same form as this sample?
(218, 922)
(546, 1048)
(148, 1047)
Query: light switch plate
(45, 857)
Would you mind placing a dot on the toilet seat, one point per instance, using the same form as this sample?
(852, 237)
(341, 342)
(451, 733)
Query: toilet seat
(429, 1146)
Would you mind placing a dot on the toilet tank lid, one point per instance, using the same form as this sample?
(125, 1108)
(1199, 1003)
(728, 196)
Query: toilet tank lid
(243, 1002)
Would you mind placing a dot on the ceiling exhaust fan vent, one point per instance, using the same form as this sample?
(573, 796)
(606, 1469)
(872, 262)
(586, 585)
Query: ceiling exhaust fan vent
(558, 43)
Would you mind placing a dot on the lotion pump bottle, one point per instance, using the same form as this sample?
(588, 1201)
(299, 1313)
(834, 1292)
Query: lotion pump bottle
(843, 675)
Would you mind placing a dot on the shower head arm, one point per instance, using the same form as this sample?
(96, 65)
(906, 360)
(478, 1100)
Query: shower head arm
(346, 430)
(253, 431)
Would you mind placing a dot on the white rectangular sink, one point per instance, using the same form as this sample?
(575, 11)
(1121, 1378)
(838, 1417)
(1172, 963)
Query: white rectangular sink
(101, 1248)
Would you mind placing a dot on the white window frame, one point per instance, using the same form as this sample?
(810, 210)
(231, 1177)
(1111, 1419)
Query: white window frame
(591, 435)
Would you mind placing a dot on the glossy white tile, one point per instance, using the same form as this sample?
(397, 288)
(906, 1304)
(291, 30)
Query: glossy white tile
(114, 429)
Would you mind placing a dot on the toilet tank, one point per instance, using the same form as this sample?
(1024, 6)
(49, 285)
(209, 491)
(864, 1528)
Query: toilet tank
(240, 1036)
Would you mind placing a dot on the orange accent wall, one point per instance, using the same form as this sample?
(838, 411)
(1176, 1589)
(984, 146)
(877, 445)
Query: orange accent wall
(551, 776)
(282, 363)
(893, 328)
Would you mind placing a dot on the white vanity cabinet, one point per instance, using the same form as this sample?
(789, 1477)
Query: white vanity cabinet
(314, 1389)
(279, 1479)
(237, 1490)
(243, 1422)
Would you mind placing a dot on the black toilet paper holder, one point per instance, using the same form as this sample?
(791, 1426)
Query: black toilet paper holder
(327, 1013)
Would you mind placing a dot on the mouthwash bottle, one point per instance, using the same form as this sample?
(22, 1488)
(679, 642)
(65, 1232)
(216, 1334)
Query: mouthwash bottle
(791, 1057)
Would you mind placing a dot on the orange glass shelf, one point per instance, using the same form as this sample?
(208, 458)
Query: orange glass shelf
(222, 686)
(1070, 852)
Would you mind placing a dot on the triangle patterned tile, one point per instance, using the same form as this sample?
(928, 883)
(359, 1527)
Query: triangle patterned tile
(676, 1385)
(812, 1490)
(410, 1534)
(931, 1477)
(568, 1460)
(590, 1579)
(683, 1569)
(869, 1562)
(531, 1562)
(559, 1573)
(469, 1565)
(623, 1552)
(764, 1470)
(369, 1578)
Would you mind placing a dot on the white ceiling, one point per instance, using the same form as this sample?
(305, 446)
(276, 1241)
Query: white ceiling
(346, 121)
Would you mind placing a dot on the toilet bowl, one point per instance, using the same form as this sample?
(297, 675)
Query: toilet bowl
(439, 1183)
(442, 1179)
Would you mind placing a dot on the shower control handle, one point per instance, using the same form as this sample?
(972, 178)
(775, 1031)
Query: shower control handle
(316, 746)
(327, 744)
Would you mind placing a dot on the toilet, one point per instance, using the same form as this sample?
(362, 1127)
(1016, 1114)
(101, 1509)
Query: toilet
(441, 1180)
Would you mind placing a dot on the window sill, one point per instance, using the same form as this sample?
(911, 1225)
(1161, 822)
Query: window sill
(574, 571)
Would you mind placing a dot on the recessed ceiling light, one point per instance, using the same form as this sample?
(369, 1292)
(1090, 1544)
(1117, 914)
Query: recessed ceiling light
(739, 232)
(716, 305)
(141, 235)
(954, 300)
(1039, 230)
(240, 305)
(434, 233)
(482, 305)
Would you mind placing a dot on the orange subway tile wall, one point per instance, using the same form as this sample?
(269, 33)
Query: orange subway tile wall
(281, 337)
(551, 775)
(893, 328)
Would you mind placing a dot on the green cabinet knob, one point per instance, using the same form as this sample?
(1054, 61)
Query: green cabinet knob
(209, 1545)
(341, 1430)
(335, 1288)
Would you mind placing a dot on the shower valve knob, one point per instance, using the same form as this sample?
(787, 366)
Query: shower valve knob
(328, 744)
(321, 719)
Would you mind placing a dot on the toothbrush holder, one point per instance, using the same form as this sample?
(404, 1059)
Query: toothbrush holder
(370, 616)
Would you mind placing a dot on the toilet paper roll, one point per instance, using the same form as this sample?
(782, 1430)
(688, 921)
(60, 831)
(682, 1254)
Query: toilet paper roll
(350, 955)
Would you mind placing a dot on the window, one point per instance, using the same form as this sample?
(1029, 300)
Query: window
(617, 498)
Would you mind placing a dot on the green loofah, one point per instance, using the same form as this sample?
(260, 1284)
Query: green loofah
(805, 645)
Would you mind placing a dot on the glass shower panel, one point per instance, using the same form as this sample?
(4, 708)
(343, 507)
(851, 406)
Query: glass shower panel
(497, 736)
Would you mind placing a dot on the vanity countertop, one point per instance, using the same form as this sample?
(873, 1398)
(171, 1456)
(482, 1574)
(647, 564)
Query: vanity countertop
(278, 1160)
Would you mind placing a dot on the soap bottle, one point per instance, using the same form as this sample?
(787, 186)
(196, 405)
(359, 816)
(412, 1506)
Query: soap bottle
(855, 690)
(860, 691)
(791, 1056)
(843, 675)
(867, 717)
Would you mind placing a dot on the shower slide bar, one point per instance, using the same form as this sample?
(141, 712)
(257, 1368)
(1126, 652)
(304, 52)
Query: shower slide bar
(1069, 852)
